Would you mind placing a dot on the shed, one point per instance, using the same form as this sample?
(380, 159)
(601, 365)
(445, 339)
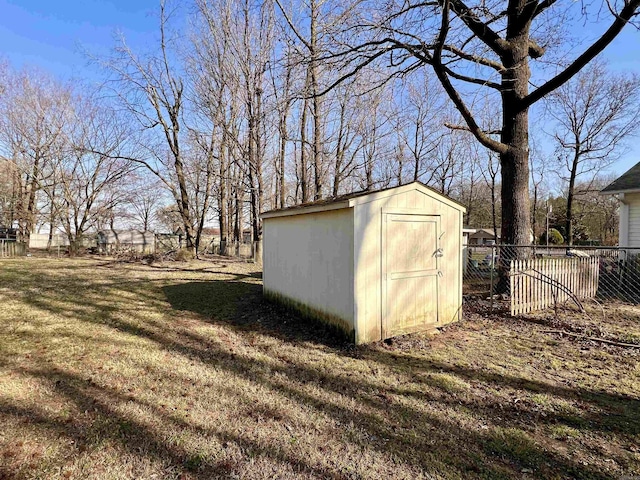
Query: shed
(374, 264)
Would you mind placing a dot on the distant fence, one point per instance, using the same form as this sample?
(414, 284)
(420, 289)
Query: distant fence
(540, 283)
(42, 240)
(9, 248)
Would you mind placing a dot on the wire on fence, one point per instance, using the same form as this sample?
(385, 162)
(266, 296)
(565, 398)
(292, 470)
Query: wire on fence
(602, 273)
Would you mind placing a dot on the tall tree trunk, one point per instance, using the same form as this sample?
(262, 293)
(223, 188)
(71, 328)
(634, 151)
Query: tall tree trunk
(205, 202)
(534, 211)
(222, 193)
(317, 115)
(237, 214)
(255, 172)
(317, 140)
(514, 162)
(184, 206)
(52, 218)
(570, 195)
(30, 214)
(303, 147)
(340, 150)
(280, 181)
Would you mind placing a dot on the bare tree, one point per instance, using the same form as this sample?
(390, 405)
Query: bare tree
(344, 142)
(491, 176)
(90, 183)
(377, 128)
(152, 89)
(282, 84)
(311, 44)
(144, 201)
(539, 166)
(482, 49)
(216, 99)
(596, 112)
(422, 131)
(34, 113)
(9, 191)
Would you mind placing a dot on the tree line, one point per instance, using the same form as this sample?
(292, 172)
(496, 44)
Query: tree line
(241, 106)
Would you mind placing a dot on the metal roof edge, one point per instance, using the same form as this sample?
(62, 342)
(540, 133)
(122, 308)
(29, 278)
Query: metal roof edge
(419, 186)
(616, 192)
(287, 212)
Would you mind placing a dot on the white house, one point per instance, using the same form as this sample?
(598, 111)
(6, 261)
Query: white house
(627, 189)
(373, 264)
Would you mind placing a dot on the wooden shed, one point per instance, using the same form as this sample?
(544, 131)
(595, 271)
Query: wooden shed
(374, 264)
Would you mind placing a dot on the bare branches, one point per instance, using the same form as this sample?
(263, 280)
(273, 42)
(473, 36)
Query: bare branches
(479, 28)
(625, 15)
(474, 58)
(454, 95)
(596, 113)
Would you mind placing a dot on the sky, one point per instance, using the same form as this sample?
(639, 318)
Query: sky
(55, 36)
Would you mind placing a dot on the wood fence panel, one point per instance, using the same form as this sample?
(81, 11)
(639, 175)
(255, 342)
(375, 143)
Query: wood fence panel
(536, 284)
(11, 249)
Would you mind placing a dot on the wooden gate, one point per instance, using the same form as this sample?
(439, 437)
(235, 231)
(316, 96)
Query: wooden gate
(538, 283)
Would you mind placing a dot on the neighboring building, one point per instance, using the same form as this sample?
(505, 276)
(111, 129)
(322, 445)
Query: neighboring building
(627, 189)
(486, 236)
(466, 232)
(111, 241)
(483, 236)
(373, 264)
(10, 234)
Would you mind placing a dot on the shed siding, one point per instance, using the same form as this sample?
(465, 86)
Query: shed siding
(368, 258)
(309, 259)
(633, 200)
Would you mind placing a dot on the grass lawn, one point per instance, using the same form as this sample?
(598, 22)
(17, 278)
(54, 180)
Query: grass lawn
(114, 371)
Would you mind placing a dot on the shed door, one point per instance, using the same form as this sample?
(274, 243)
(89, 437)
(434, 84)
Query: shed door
(410, 265)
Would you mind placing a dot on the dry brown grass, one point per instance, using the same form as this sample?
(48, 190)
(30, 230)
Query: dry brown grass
(112, 370)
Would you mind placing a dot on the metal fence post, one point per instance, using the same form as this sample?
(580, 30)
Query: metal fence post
(492, 267)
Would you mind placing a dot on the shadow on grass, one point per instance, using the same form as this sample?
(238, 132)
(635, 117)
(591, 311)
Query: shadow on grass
(427, 441)
(241, 305)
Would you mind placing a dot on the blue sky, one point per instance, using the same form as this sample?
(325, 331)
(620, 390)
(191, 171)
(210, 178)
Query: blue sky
(52, 36)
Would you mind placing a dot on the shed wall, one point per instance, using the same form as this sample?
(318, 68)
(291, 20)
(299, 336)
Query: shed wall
(308, 259)
(368, 259)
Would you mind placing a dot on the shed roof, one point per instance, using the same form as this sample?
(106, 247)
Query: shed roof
(351, 199)
(628, 181)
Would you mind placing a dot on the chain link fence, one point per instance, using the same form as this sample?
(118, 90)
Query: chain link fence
(486, 271)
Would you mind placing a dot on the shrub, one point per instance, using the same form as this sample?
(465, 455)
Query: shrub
(555, 237)
(184, 255)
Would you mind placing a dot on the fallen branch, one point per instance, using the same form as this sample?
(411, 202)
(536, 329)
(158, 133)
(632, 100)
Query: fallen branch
(594, 339)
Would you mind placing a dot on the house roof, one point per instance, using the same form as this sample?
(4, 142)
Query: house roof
(356, 198)
(484, 232)
(628, 181)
